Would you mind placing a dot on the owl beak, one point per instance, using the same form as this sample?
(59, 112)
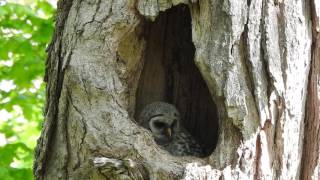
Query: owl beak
(168, 132)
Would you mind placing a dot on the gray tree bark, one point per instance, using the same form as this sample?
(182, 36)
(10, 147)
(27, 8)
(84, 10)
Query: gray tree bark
(259, 59)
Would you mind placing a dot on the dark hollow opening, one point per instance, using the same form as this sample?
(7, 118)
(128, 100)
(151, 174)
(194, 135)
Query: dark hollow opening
(170, 74)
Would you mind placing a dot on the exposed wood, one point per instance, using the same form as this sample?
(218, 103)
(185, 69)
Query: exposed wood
(310, 163)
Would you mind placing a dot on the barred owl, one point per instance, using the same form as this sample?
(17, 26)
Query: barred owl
(163, 120)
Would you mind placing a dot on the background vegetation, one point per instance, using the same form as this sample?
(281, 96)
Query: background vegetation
(25, 30)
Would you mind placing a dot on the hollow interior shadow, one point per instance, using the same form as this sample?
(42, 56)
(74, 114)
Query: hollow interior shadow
(170, 74)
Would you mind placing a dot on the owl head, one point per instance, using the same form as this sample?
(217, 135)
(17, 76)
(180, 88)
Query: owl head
(162, 119)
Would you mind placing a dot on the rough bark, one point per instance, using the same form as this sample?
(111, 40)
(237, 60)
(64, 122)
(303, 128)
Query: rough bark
(259, 63)
(310, 164)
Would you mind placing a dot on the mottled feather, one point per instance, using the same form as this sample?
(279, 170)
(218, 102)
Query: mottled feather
(181, 142)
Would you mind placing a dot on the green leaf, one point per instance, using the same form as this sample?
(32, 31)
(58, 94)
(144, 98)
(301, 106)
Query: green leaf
(25, 31)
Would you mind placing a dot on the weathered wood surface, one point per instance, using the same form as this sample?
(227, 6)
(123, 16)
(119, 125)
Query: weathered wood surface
(255, 57)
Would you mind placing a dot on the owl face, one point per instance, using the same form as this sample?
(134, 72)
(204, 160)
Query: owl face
(162, 119)
(163, 128)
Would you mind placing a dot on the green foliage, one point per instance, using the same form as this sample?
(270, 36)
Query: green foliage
(25, 30)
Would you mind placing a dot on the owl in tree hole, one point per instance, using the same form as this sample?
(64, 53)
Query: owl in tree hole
(163, 120)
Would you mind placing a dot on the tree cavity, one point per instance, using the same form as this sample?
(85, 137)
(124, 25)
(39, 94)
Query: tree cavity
(169, 74)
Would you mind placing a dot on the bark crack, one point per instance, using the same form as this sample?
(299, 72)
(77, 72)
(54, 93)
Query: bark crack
(84, 126)
(86, 90)
(257, 160)
(278, 139)
(264, 54)
(246, 62)
(66, 131)
(54, 79)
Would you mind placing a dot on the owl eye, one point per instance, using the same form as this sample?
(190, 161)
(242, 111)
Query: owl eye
(159, 125)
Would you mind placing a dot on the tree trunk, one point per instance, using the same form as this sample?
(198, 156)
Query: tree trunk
(243, 74)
